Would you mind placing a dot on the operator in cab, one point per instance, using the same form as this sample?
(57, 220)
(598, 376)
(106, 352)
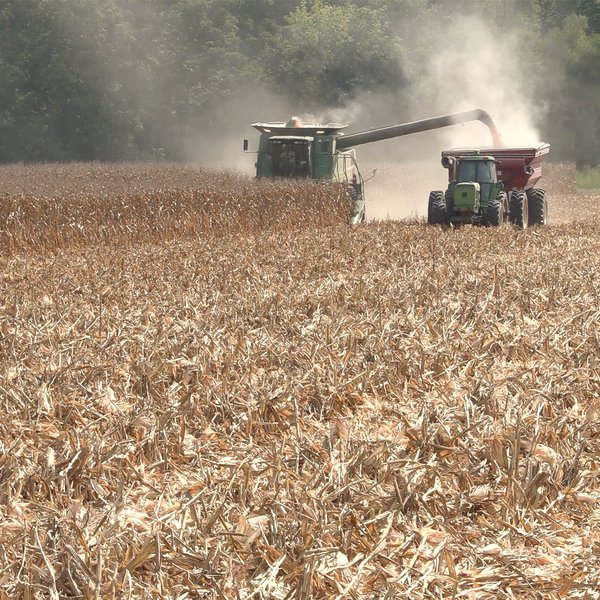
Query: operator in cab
(287, 162)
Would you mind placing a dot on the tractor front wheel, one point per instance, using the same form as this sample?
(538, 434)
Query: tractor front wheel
(538, 207)
(436, 209)
(519, 209)
(495, 213)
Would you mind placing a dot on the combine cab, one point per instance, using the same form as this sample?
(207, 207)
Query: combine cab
(491, 186)
(303, 150)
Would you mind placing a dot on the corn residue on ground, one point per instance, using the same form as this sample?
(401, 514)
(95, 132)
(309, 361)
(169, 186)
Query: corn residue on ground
(311, 410)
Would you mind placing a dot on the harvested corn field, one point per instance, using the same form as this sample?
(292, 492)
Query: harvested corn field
(61, 206)
(390, 410)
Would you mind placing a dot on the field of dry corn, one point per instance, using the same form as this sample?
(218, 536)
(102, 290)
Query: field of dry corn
(212, 387)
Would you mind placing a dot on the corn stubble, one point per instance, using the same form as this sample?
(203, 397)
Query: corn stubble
(308, 412)
(47, 208)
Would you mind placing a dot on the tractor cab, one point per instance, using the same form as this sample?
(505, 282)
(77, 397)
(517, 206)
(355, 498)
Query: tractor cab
(473, 183)
(476, 179)
(481, 169)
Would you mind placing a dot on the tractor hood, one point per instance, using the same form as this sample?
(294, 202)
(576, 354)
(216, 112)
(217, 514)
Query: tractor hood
(467, 196)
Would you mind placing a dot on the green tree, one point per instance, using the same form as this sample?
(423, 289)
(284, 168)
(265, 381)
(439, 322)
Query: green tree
(207, 65)
(69, 70)
(554, 12)
(325, 54)
(122, 79)
(570, 85)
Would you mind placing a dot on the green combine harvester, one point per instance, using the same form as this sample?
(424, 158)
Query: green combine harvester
(311, 150)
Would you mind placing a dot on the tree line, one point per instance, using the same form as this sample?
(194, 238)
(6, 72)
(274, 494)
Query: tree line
(141, 79)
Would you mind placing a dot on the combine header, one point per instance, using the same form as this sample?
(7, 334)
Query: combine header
(296, 149)
(491, 186)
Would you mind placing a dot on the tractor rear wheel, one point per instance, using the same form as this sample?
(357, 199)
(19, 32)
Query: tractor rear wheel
(495, 213)
(519, 209)
(538, 207)
(436, 209)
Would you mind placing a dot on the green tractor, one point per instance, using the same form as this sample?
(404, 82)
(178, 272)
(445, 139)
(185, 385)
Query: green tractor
(311, 150)
(491, 186)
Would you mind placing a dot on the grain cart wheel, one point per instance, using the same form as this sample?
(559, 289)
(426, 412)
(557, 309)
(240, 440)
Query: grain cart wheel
(495, 213)
(519, 209)
(538, 207)
(436, 210)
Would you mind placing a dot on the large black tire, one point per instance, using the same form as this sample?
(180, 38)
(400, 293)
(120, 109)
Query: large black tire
(519, 209)
(436, 209)
(538, 207)
(449, 204)
(495, 212)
